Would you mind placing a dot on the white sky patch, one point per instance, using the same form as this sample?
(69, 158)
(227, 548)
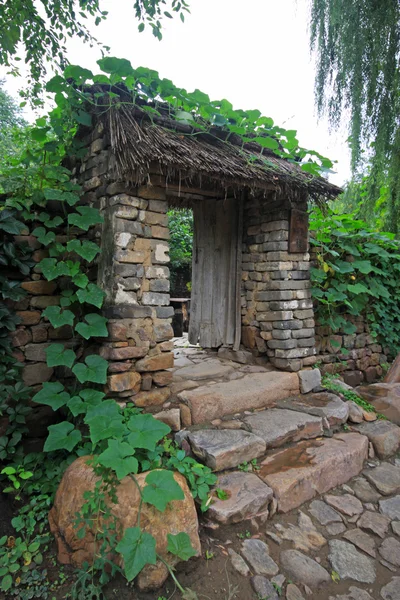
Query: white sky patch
(254, 53)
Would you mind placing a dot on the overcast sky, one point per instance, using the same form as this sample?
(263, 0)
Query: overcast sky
(255, 53)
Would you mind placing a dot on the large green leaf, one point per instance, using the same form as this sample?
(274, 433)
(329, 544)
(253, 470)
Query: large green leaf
(94, 370)
(146, 431)
(119, 457)
(59, 356)
(105, 421)
(95, 326)
(357, 288)
(161, 489)
(52, 394)
(79, 405)
(86, 218)
(58, 317)
(138, 549)
(119, 66)
(43, 236)
(91, 295)
(51, 268)
(85, 249)
(62, 436)
(80, 280)
(180, 545)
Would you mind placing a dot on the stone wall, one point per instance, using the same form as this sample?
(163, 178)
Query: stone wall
(357, 357)
(277, 310)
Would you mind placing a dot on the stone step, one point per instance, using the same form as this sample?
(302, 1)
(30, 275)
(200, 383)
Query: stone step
(278, 426)
(255, 390)
(298, 473)
(323, 404)
(224, 448)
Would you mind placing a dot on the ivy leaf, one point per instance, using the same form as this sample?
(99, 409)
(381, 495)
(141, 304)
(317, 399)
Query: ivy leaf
(358, 288)
(87, 250)
(180, 545)
(79, 405)
(138, 549)
(52, 394)
(118, 66)
(146, 431)
(59, 356)
(92, 397)
(62, 436)
(50, 223)
(44, 237)
(79, 74)
(57, 317)
(95, 326)
(51, 268)
(86, 218)
(94, 370)
(161, 489)
(364, 266)
(91, 295)
(119, 457)
(105, 421)
(81, 280)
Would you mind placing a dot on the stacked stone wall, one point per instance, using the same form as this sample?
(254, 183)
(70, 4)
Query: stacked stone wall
(357, 357)
(277, 310)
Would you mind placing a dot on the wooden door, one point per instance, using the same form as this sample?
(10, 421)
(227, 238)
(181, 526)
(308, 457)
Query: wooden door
(216, 274)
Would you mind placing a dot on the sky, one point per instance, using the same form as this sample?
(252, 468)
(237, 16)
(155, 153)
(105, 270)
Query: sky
(255, 53)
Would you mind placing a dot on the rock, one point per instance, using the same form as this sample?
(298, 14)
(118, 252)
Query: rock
(162, 378)
(311, 467)
(302, 569)
(231, 424)
(241, 356)
(293, 592)
(36, 373)
(369, 415)
(388, 565)
(364, 490)
(390, 507)
(323, 404)
(257, 555)
(362, 540)
(309, 379)
(264, 588)
(248, 497)
(165, 360)
(391, 591)
(384, 435)
(238, 563)
(335, 528)
(154, 397)
(275, 538)
(29, 317)
(124, 381)
(385, 398)
(393, 375)
(225, 449)
(171, 417)
(256, 390)
(305, 536)
(355, 412)
(324, 513)
(206, 369)
(385, 477)
(349, 563)
(278, 426)
(346, 504)
(396, 527)
(374, 522)
(390, 551)
(179, 516)
(279, 580)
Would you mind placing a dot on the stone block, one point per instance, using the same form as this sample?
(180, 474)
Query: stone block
(160, 253)
(225, 449)
(384, 435)
(128, 270)
(124, 381)
(126, 226)
(159, 232)
(157, 272)
(275, 316)
(165, 312)
(154, 397)
(126, 353)
(162, 378)
(165, 360)
(39, 333)
(39, 288)
(20, 337)
(309, 379)
(303, 333)
(155, 299)
(162, 331)
(36, 373)
(44, 301)
(284, 344)
(131, 284)
(122, 199)
(293, 325)
(36, 352)
(293, 353)
(306, 342)
(171, 417)
(284, 305)
(159, 285)
(128, 312)
(153, 194)
(130, 256)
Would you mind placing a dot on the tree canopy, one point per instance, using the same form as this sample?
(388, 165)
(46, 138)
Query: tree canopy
(357, 44)
(10, 119)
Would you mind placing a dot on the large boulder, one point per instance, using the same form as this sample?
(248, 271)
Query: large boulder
(179, 516)
(393, 375)
(385, 397)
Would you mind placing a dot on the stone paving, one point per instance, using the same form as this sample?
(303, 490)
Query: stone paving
(351, 536)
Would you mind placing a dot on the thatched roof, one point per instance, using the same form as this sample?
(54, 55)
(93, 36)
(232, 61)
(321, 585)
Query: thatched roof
(139, 140)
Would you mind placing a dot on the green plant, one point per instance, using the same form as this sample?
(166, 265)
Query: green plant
(249, 465)
(16, 475)
(221, 494)
(209, 555)
(278, 588)
(242, 536)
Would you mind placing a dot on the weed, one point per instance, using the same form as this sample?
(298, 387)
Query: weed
(222, 494)
(209, 555)
(244, 535)
(249, 466)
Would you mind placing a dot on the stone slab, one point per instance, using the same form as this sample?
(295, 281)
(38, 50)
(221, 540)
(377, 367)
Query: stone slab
(385, 477)
(390, 507)
(385, 397)
(374, 522)
(364, 490)
(248, 497)
(390, 551)
(309, 379)
(256, 390)
(312, 467)
(257, 555)
(225, 449)
(391, 591)
(384, 435)
(362, 540)
(279, 426)
(323, 513)
(323, 404)
(346, 504)
(303, 569)
(349, 563)
(206, 369)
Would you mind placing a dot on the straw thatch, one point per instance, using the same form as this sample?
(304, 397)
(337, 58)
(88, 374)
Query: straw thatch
(183, 152)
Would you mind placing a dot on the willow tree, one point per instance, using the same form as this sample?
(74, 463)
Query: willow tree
(357, 44)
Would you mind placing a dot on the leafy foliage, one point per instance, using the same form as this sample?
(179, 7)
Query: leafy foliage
(357, 272)
(358, 47)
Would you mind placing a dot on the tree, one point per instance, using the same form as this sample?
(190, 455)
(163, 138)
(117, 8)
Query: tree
(10, 119)
(357, 44)
(43, 27)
